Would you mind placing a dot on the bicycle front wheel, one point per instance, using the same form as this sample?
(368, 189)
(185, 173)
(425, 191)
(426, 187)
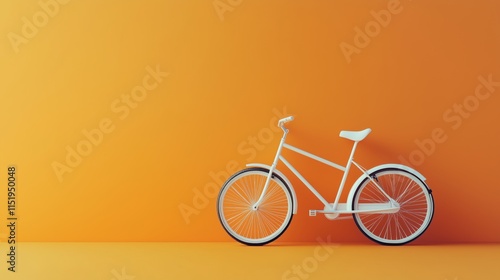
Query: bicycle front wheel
(415, 201)
(237, 197)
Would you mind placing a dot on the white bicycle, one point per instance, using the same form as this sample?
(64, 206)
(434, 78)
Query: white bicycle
(390, 203)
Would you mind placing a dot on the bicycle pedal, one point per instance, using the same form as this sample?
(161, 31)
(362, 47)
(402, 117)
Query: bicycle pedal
(312, 213)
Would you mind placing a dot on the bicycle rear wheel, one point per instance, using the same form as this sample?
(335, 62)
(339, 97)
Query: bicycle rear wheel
(415, 201)
(237, 197)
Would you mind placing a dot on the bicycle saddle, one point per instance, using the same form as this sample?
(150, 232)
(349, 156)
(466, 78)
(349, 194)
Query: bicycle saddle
(355, 135)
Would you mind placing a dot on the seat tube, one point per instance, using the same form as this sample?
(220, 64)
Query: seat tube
(271, 170)
(344, 177)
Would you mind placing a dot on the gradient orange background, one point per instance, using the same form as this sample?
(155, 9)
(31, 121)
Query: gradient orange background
(228, 75)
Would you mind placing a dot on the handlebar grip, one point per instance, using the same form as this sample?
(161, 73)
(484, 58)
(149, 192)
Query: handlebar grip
(285, 120)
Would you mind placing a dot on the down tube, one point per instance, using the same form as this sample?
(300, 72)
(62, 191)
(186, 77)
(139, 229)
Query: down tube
(308, 185)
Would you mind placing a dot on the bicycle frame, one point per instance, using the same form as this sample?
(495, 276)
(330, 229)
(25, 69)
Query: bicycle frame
(390, 207)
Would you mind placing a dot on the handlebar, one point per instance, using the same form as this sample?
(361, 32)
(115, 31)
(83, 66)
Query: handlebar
(285, 120)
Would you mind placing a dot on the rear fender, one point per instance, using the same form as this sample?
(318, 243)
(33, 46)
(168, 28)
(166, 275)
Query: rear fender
(363, 176)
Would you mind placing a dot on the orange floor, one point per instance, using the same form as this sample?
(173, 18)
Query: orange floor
(148, 261)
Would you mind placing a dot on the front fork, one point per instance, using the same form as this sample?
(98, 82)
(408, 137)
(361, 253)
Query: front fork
(271, 169)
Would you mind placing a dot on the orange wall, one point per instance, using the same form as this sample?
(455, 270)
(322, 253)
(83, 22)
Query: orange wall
(233, 67)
